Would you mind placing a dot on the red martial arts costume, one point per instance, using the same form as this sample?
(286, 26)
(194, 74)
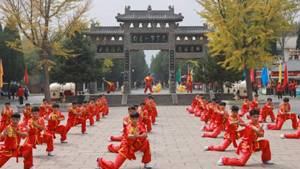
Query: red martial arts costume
(148, 84)
(36, 137)
(105, 109)
(54, 125)
(283, 115)
(12, 147)
(27, 115)
(192, 107)
(128, 148)
(77, 115)
(267, 110)
(245, 108)
(99, 109)
(295, 135)
(189, 83)
(248, 145)
(92, 112)
(45, 110)
(126, 121)
(219, 119)
(5, 117)
(146, 119)
(231, 134)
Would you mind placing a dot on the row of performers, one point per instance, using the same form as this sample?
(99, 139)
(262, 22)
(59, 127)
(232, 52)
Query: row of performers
(217, 119)
(134, 139)
(40, 126)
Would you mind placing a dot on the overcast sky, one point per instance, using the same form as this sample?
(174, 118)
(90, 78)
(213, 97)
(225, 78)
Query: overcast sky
(105, 10)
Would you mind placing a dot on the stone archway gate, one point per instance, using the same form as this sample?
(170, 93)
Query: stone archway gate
(149, 30)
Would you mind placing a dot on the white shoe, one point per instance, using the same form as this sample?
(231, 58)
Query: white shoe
(268, 162)
(147, 166)
(282, 136)
(205, 148)
(50, 154)
(220, 162)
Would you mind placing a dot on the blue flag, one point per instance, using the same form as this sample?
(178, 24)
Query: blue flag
(265, 76)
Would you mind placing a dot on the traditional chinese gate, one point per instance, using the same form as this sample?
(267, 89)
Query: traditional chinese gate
(149, 30)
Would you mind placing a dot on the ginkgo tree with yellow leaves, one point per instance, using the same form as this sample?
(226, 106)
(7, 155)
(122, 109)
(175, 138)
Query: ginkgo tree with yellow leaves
(44, 24)
(243, 29)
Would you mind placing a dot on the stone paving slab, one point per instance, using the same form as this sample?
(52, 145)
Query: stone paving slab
(176, 143)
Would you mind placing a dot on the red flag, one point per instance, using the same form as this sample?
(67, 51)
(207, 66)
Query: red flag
(285, 80)
(26, 80)
(252, 75)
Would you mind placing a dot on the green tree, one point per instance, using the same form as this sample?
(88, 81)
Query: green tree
(45, 23)
(115, 73)
(209, 71)
(160, 67)
(12, 60)
(139, 66)
(81, 66)
(242, 30)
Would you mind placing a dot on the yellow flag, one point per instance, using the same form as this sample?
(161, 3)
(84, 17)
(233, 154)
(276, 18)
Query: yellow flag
(280, 73)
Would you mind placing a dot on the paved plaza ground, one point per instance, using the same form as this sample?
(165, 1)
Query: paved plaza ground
(176, 143)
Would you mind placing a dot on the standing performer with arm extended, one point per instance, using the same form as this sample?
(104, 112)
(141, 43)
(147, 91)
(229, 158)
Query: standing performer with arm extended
(148, 83)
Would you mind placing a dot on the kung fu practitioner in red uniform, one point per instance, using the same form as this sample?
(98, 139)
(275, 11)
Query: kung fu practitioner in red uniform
(145, 117)
(283, 115)
(189, 83)
(37, 132)
(26, 113)
(134, 140)
(148, 83)
(12, 136)
(245, 107)
(267, 110)
(220, 118)
(54, 124)
(126, 121)
(111, 87)
(45, 109)
(250, 144)
(6, 114)
(231, 131)
(295, 135)
(73, 114)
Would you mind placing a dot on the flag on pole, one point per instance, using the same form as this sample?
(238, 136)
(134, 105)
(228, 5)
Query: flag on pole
(280, 73)
(1, 74)
(178, 75)
(265, 76)
(286, 78)
(26, 79)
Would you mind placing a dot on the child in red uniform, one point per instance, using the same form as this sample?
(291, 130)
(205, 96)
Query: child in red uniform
(54, 124)
(12, 136)
(135, 139)
(231, 133)
(283, 115)
(26, 113)
(295, 135)
(220, 118)
(6, 114)
(250, 144)
(36, 125)
(267, 110)
(245, 107)
(146, 119)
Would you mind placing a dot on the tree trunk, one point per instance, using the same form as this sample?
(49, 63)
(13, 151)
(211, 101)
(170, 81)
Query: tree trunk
(248, 84)
(44, 57)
